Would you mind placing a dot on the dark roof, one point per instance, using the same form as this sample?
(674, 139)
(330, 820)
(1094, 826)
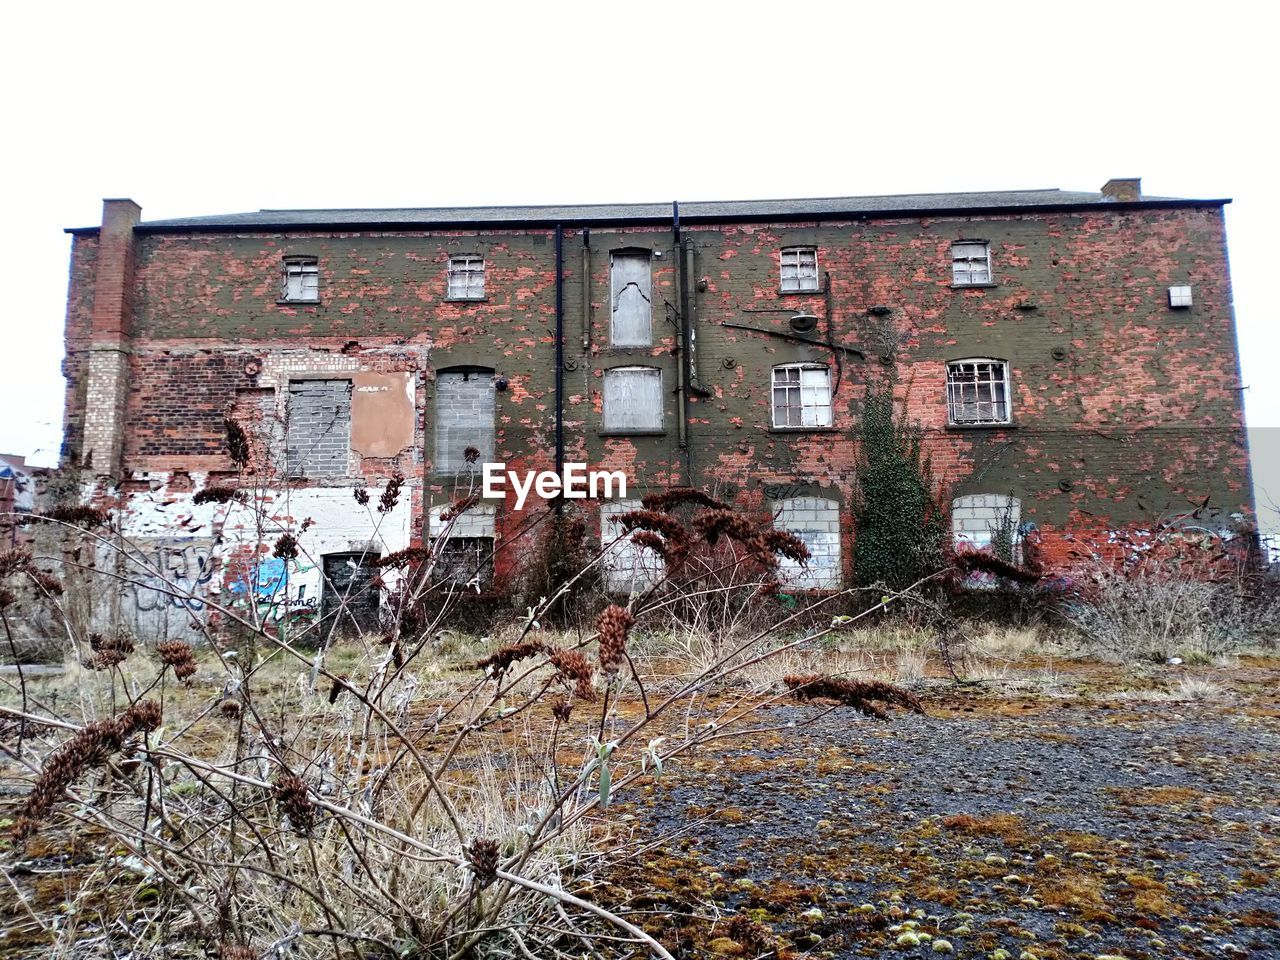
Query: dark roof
(692, 211)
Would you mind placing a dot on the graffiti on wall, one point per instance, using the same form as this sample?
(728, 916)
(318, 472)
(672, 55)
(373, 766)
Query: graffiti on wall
(277, 586)
(178, 575)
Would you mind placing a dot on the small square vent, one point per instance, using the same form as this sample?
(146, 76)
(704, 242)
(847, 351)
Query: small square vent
(1179, 297)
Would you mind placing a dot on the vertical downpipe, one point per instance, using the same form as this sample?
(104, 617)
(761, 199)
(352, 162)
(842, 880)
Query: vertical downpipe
(559, 356)
(682, 344)
(586, 290)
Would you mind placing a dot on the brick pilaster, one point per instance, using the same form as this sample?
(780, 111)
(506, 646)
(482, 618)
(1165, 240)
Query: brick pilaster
(108, 380)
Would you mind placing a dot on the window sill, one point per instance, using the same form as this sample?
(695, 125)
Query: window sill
(816, 291)
(466, 299)
(297, 303)
(631, 433)
(630, 347)
(960, 427)
(776, 429)
(974, 286)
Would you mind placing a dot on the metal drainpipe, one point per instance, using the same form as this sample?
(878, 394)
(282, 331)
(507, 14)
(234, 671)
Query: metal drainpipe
(559, 354)
(831, 334)
(689, 308)
(682, 344)
(586, 290)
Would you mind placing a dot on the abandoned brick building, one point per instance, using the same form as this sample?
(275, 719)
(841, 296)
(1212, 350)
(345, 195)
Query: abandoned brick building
(1070, 356)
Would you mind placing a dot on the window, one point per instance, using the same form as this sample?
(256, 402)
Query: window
(632, 399)
(802, 395)
(318, 428)
(816, 521)
(977, 392)
(799, 269)
(466, 561)
(348, 596)
(301, 280)
(465, 554)
(466, 278)
(1180, 297)
(630, 283)
(464, 412)
(970, 263)
(987, 521)
(627, 566)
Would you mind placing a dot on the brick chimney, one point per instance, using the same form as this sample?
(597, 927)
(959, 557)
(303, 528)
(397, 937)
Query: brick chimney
(108, 380)
(1124, 191)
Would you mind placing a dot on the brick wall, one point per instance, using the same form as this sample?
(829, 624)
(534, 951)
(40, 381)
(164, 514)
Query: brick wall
(1122, 407)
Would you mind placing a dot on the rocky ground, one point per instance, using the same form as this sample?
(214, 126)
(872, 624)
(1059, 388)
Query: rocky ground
(1086, 823)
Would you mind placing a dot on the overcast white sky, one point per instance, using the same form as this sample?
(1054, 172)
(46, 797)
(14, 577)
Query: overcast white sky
(216, 108)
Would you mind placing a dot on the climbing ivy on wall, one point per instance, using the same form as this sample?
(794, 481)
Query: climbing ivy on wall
(900, 522)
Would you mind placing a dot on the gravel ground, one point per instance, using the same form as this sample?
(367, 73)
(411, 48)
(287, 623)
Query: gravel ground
(1041, 827)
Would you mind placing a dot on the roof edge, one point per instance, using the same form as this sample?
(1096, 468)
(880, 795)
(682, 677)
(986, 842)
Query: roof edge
(892, 214)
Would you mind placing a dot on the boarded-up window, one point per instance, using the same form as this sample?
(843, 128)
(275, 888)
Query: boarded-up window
(802, 395)
(987, 521)
(632, 399)
(319, 428)
(799, 269)
(464, 412)
(816, 521)
(990, 523)
(631, 298)
(301, 280)
(466, 278)
(348, 598)
(970, 263)
(627, 566)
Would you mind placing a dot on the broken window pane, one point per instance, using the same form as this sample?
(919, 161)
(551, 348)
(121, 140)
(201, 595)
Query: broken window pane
(633, 398)
(301, 280)
(799, 269)
(464, 414)
(978, 391)
(802, 396)
(970, 262)
(631, 298)
(466, 278)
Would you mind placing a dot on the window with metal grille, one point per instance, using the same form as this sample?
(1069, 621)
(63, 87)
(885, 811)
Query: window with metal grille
(816, 521)
(465, 561)
(632, 399)
(300, 282)
(799, 269)
(977, 392)
(630, 293)
(802, 395)
(466, 278)
(465, 408)
(318, 428)
(970, 263)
